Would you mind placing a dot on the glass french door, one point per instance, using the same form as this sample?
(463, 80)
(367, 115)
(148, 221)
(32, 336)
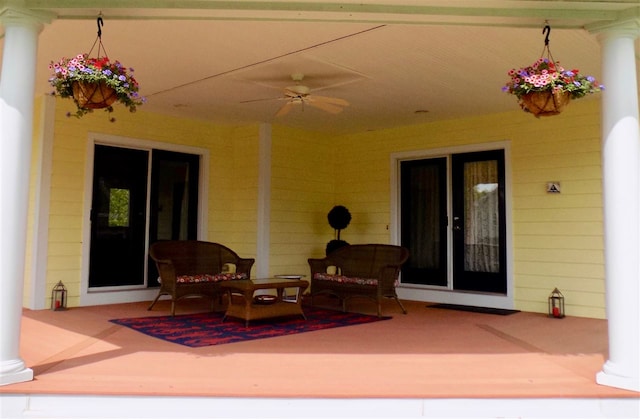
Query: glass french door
(455, 234)
(424, 221)
(479, 245)
(125, 183)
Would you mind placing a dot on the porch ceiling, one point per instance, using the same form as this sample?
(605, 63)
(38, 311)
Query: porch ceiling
(395, 62)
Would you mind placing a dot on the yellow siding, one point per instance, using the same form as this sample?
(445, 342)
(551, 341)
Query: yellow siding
(233, 191)
(302, 185)
(232, 198)
(557, 237)
(363, 170)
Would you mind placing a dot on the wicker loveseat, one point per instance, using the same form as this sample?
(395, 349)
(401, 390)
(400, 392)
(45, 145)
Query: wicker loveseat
(195, 268)
(363, 270)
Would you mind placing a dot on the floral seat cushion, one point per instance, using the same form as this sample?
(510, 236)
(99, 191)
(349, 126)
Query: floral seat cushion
(191, 279)
(344, 279)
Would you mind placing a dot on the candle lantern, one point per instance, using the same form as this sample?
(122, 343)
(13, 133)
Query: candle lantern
(556, 304)
(59, 297)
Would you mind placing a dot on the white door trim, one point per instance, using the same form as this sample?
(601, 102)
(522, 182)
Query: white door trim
(447, 294)
(123, 294)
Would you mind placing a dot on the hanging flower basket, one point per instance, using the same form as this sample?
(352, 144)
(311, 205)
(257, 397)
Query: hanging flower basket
(545, 88)
(93, 95)
(546, 103)
(95, 83)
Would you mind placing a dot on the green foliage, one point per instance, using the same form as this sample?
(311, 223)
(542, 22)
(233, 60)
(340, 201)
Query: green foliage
(545, 75)
(81, 68)
(339, 217)
(119, 203)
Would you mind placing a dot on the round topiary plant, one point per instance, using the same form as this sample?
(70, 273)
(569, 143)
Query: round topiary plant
(339, 218)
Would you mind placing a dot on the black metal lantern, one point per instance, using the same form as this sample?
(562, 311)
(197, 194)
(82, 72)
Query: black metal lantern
(59, 297)
(556, 304)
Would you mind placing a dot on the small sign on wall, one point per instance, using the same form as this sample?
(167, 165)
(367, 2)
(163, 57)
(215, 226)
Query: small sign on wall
(553, 187)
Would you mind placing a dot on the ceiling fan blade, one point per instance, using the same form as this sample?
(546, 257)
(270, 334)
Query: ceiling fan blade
(285, 109)
(330, 100)
(260, 100)
(327, 107)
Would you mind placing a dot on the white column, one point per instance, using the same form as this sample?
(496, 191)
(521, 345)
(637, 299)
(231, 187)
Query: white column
(264, 202)
(621, 189)
(16, 121)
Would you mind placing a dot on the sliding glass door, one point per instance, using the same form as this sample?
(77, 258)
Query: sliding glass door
(126, 182)
(118, 217)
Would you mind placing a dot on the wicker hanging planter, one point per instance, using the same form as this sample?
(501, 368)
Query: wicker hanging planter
(545, 88)
(93, 95)
(547, 103)
(95, 83)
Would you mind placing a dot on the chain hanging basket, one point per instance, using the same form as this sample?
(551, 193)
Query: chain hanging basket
(92, 95)
(545, 88)
(547, 103)
(95, 83)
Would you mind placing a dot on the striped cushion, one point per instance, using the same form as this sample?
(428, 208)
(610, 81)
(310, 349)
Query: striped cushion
(191, 279)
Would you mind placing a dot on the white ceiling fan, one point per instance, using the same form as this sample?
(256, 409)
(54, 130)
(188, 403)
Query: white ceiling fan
(301, 95)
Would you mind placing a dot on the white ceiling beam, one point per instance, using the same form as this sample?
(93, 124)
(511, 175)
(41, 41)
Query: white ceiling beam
(513, 13)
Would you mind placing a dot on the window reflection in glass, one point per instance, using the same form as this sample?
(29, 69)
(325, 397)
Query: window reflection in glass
(481, 211)
(119, 203)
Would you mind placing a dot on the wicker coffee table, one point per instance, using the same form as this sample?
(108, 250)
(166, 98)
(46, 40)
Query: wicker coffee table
(244, 305)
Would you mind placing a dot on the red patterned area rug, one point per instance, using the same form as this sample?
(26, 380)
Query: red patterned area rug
(206, 329)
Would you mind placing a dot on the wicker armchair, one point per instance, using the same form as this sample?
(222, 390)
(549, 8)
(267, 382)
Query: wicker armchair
(366, 270)
(195, 268)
